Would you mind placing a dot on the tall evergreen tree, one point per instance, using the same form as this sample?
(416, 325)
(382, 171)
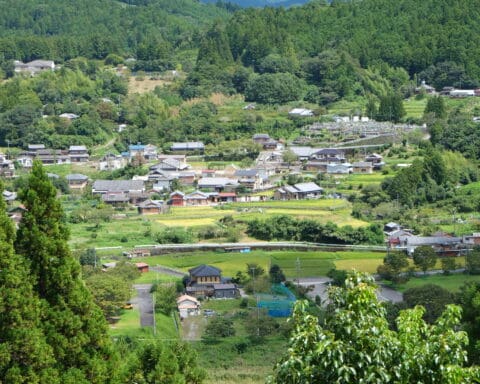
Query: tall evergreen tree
(25, 356)
(73, 324)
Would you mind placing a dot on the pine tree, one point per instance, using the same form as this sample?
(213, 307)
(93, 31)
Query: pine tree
(73, 324)
(25, 356)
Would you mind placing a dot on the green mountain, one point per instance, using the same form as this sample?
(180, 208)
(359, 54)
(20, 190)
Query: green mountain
(65, 29)
(263, 3)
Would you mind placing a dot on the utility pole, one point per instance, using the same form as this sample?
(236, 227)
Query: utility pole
(153, 311)
(297, 266)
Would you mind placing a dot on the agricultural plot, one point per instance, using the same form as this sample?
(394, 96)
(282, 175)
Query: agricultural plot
(451, 283)
(311, 263)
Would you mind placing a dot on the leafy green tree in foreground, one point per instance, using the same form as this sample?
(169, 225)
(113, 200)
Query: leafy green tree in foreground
(356, 345)
(25, 357)
(73, 325)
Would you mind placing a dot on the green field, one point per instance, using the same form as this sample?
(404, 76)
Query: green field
(134, 229)
(451, 282)
(311, 263)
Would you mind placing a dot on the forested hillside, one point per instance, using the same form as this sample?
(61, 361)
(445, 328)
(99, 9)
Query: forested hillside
(61, 30)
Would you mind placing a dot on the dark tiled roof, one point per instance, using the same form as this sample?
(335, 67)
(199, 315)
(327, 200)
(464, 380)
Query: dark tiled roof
(204, 270)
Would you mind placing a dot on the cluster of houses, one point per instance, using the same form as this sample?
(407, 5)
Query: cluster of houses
(402, 239)
(447, 91)
(333, 161)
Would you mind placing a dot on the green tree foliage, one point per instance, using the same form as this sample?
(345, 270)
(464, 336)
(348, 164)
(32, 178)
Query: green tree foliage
(432, 297)
(274, 88)
(260, 325)
(110, 292)
(391, 108)
(276, 274)
(448, 264)
(436, 107)
(424, 257)
(284, 227)
(394, 265)
(73, 325)
(158, 362)
(215, 48)
(166, 298)
(25, 356)
(218, 327)
(472, 261)
(254, 270)
(469, 300)
(355, 344)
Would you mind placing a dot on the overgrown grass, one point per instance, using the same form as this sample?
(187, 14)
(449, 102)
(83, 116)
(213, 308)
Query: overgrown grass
(450, 282)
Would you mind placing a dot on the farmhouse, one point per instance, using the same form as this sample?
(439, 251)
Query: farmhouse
(177, 199)
(77, 181)
(34, 67)
(249, 178)
(362, 167)
(7, 168)
(298, 191)
(206, 280)
(217, 184)
(192, 146)
(150, 207)
(339, 169)
(188, 306)
(78, 153)
(118, 186)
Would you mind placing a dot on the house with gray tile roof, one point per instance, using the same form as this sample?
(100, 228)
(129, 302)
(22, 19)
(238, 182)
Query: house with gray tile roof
(298, 191)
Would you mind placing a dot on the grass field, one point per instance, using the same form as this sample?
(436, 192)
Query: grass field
(451, 282)
(310, 263)
(134, 229)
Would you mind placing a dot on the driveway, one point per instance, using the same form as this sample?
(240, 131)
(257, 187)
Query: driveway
(145, 304)
(321, 285)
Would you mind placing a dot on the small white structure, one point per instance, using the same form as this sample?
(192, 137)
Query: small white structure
(301, 112)
(462, 93)
(188, 306)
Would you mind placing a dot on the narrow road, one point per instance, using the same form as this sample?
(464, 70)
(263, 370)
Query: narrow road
(145, 304)
(321, 285)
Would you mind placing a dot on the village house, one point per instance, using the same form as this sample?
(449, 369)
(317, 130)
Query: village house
(118, 186)
(111, 162)
(177, 199)
(161, 182)
(170, 165)
(9, 196)
(471, 240)
(249, 178)
(77, 181)
(265, 141)
(179, 157)
(16, 214)
(304, 153)
(362, 167)
(32, 149)
(188, 306)
(425, 88)
(197, 198)
(217, 184)
(443, 245)
(33, 67)
(52, 156)
(150, 207)
(7, 168)
(329, 155)
(78, 153)
(339, 169)
(376, 160)
(316, 166)
(298, 191)
(207, 281)
(192, 146)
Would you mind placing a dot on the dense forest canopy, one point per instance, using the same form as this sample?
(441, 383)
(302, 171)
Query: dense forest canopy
(60, 30)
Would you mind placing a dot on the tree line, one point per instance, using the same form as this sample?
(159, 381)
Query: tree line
(51, 329)
(283, 227)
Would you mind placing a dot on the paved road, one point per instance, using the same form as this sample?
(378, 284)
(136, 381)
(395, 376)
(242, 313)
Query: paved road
(145, 304)
(321, 285)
